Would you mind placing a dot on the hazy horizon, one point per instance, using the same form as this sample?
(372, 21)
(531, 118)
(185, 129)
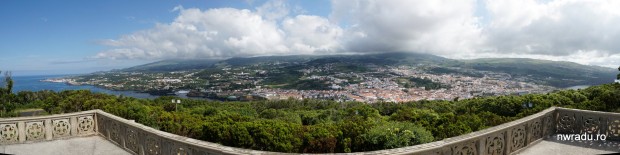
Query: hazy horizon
(87, 71)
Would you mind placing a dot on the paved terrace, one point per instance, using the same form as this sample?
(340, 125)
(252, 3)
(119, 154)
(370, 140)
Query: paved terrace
(97, 132)
(93, 145)
(551, 147)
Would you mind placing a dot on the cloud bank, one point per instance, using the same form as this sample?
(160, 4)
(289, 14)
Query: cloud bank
(582, 31)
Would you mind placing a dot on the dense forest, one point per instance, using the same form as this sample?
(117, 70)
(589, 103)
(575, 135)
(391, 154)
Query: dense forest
(314, 126)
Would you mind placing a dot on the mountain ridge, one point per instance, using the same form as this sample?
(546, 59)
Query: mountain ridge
(555, 73)
(173, 65)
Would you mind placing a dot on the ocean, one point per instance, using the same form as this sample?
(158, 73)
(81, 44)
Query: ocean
(34, 83)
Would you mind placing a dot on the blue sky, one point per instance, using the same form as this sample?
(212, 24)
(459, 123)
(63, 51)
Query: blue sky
(58, 37)
(73, 36)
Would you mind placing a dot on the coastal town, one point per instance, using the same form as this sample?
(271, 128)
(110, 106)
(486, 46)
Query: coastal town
(327, 81)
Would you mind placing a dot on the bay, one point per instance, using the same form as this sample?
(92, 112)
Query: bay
(34, 83)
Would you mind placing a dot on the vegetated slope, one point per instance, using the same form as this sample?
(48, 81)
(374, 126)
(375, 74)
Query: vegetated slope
(247, 61)
(316, 126)
(174, 65)
(398, 58)
(554, 73)
(393, 58)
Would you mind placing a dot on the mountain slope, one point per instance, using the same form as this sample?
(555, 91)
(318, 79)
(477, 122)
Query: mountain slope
(246, 61)
(174, 65)
(396, 58)
(555, 73)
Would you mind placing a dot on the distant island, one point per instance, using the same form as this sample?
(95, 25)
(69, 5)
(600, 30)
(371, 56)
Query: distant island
(391, 77)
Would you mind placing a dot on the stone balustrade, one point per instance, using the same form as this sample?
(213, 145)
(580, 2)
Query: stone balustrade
(35, 129)
(508, 138)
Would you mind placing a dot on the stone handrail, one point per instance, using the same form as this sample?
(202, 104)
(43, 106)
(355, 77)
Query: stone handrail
(44, 128)
(507, 138)
(144, 140)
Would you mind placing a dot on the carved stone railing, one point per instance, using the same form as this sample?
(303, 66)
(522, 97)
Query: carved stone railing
(571, 121)
(140, 139)
(513, 137)
(508, 138)
(35, 129)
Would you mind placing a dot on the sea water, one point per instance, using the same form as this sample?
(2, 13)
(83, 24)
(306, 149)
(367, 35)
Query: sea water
(34, 83)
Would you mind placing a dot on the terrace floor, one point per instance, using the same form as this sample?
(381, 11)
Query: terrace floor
(92, 145)
(553, 146)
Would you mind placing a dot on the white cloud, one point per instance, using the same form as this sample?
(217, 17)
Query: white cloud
(228, 32)
(223, 32)
(437, 27)
(312, 34)
(581, 31)
(556, 28)
(582, 57)
(177, 8)
(273, 10)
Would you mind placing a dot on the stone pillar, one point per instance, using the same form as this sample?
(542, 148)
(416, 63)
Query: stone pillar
(528, 133)
(166, 147)
(509, 140)
(49, 128)
(141, 142)
(73, 125)
(122, 133)
(482, 143)
(21, 131)
(96, 120)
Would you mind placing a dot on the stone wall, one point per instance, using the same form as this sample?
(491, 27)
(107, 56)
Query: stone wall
(35, 129)
(508, 138)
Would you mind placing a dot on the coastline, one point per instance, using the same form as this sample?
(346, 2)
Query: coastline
(55, 83)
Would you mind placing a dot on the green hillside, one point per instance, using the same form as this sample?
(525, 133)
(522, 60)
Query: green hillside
(315, 126)
(554, 73)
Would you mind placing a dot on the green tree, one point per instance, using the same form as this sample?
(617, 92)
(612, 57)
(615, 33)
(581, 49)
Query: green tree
(9, 82)
(321, 138)
(6, 95)
(292, 117)
(618, 77)
(1, 88)
(390, 135)
(316, 126)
